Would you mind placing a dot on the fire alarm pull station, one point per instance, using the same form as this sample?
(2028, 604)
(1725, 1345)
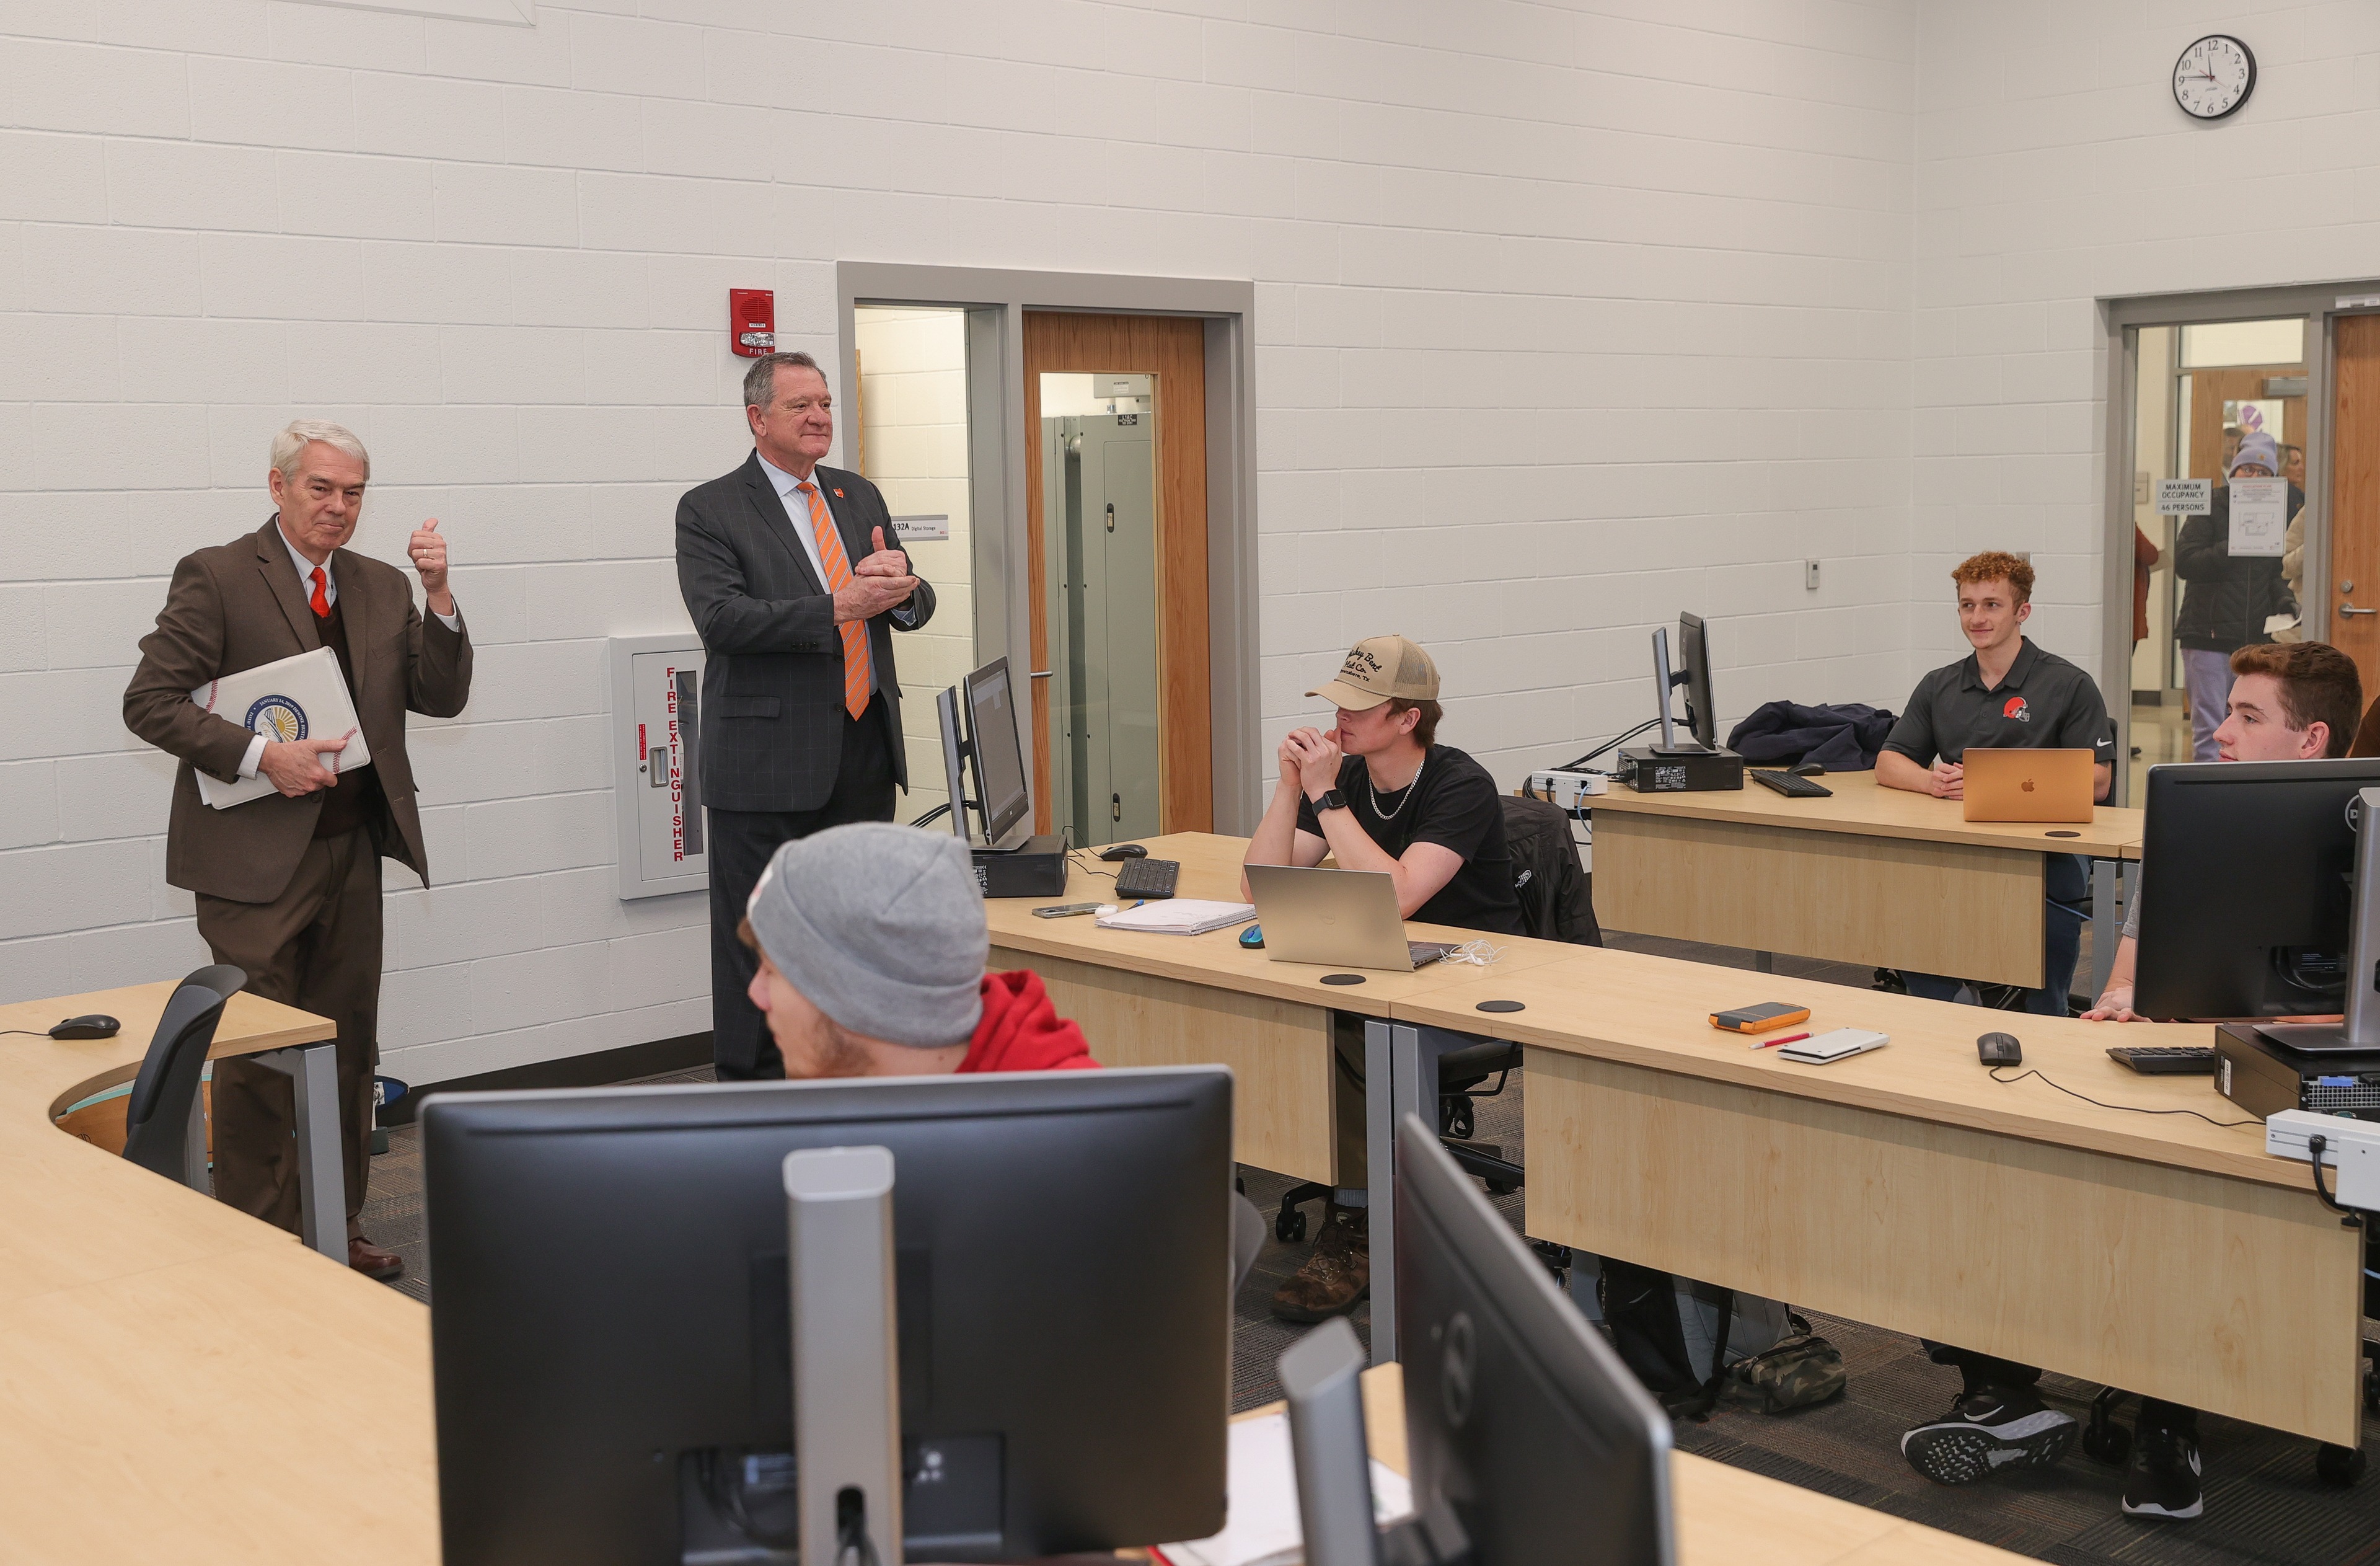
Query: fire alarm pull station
(752, 321)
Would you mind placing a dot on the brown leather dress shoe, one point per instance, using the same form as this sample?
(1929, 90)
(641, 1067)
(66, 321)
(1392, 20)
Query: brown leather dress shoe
(1337, 1275)
(372, 1261)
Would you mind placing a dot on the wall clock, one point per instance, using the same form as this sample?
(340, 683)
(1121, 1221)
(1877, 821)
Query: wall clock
(2213, 76)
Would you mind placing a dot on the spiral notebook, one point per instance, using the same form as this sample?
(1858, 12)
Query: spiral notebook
(299, 698)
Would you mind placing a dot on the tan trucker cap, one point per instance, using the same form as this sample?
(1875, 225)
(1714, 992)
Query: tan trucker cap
(1378, 669)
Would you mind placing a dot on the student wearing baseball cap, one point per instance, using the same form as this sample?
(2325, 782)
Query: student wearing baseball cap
(1377, 791)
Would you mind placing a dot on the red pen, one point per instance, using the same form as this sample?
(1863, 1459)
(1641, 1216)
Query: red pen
(1772, 1043)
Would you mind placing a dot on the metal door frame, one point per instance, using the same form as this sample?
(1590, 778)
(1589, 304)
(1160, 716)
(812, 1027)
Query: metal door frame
(996, 300)
(2122, 321)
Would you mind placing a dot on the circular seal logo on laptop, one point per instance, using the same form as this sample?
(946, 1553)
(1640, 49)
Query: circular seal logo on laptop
(277, 717)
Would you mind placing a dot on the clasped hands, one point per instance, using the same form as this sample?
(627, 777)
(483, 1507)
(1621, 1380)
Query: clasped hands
(878, 583)
(1309, 762)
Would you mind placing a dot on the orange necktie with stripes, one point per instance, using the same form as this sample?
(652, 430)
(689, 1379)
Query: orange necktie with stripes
(837, 566)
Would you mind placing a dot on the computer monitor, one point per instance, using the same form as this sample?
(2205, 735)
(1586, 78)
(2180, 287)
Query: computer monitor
(1694, 660)
(946, 717)
(1691, 670)
(1520, 1419)
(2248, 894)
(1003, 793)
(611, 1337)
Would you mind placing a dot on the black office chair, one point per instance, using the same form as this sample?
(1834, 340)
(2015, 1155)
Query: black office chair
(157, 1116)
(1460, 1072)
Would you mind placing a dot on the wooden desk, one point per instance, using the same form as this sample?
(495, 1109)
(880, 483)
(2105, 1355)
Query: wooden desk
(1726, 1516)
(1874, 876)
(2160, 1254)
(178, 1380)
(1171, 1000)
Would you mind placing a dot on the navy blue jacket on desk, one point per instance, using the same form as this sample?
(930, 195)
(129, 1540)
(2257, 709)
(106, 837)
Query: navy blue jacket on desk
(1841, 740)
(772, 710)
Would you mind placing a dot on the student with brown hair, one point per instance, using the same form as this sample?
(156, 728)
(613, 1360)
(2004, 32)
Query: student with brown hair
(2006, 694)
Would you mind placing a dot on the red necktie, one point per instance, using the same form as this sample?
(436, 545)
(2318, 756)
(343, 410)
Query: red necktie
(322, 598)
(837, 566)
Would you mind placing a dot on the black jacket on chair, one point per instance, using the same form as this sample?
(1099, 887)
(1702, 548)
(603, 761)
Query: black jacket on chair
(772, 718)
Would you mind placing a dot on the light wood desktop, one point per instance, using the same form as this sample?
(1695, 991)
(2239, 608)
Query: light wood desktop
(1907, 1188)
(181, 1382)
(1147, 1000)
(1880, 877)
(178, 1380)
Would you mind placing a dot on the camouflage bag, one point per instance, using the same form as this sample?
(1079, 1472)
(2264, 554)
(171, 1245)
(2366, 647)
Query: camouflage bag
(1798, 1372)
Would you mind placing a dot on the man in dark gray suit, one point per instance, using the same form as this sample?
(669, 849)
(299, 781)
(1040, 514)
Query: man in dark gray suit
(784, 569)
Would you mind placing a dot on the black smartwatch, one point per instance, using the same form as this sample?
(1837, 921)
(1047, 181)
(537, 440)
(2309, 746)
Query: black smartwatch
(1332, 800)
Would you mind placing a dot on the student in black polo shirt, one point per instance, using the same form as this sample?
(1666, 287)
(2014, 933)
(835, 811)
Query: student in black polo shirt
(2006, 694)
(1379, 793)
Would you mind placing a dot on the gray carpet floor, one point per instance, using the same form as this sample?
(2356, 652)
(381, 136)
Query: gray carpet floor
(2263, 1503)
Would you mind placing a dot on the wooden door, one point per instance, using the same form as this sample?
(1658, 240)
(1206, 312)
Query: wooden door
(2210, 389)
(1172, 350)
(2355, 494)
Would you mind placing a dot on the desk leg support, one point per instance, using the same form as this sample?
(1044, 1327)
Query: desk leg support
(1379, 1157)
(194, 1147)
(313, 1073)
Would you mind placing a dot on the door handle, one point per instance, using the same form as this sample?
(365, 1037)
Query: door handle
(2350, 610)
(1045, 673)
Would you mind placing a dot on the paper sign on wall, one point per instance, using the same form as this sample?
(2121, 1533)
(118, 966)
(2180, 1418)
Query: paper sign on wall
(2185, 497)
(2259, 516)
(922, 529)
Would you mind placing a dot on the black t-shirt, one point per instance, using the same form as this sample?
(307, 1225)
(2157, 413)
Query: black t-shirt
(1453, 804)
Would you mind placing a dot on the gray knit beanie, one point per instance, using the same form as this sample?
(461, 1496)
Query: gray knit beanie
(881, 927)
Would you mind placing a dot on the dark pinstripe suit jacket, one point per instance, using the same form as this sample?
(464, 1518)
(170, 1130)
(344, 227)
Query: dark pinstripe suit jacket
(772, 672)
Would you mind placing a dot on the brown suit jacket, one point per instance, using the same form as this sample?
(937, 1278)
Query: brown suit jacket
(238, 605)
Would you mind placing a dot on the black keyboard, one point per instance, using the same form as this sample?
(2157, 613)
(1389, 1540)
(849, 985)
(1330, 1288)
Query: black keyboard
(1789, 785)
(2168, 1060)
(1151, 879)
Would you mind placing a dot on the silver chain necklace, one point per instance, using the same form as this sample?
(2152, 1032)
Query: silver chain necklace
(1379, 814)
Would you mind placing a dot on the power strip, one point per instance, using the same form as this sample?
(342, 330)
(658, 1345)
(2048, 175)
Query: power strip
(1568, 789)
(2351, 1146)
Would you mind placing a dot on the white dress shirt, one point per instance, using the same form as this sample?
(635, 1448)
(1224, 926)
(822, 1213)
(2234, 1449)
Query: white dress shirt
(305, 569)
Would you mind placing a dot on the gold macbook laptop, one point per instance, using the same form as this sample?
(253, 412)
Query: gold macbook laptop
(2027, 785)
(1337, 918)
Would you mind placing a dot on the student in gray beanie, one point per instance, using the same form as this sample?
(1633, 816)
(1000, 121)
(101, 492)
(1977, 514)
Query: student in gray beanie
(872, 943)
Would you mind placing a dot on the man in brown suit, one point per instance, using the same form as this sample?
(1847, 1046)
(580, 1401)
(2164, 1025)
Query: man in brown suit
(288, 885)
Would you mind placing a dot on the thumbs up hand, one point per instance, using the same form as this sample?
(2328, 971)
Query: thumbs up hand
(429, 553)
(884, 562)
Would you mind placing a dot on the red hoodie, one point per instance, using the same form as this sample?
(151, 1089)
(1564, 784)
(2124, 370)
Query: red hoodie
(1022, 1031)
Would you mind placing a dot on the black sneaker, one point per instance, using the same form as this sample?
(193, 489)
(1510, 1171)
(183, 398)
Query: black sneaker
(2162, 1480)
(1988, 1430)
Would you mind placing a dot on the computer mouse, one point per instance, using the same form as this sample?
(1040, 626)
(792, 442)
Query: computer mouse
(1252, 936)
(2000, 1050)
(91, 1026)
(1123, 851)
(1805, 769)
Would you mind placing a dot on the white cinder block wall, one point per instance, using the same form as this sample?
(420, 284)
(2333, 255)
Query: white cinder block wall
(2054, 170)
(1568, 317)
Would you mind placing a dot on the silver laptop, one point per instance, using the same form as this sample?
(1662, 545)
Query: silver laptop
(1338, 919)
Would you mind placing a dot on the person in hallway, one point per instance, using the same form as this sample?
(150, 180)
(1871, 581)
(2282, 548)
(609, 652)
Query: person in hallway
(2287, 703)
(2007, 693)
(2145, 555)
(1379, 793)
(868, 944)
(288, 886)
(2226, 599)
(2293, 465)
(785, 571)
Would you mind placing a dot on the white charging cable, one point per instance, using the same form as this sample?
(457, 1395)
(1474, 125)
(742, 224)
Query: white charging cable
(1479, 953)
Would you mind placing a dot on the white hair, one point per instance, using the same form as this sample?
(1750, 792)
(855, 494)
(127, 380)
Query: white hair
(291, 444)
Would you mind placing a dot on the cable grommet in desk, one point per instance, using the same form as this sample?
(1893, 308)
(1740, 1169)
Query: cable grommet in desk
(1499, 1006)
(1342, 979)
